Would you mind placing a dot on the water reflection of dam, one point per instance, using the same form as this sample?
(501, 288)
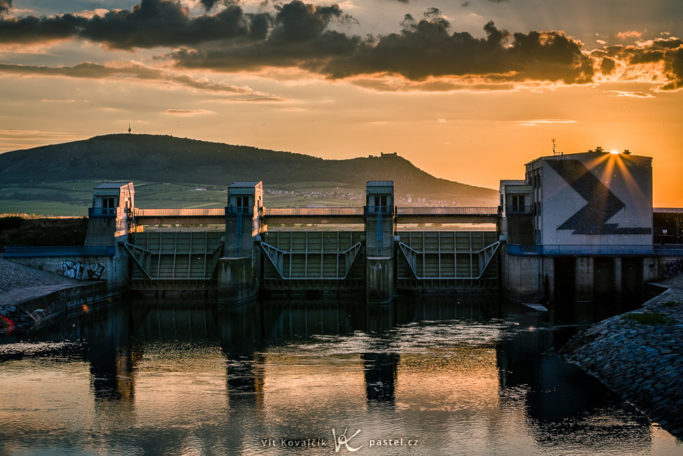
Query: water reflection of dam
(295, 368)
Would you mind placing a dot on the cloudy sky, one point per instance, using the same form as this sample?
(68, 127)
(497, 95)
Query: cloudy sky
(468, 90)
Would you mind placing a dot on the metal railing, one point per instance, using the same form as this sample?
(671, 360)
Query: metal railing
(102, 211)
(239, 211)
(480, 211)
(379, 210)
(317, 211)
(192, 212)
(312, 211)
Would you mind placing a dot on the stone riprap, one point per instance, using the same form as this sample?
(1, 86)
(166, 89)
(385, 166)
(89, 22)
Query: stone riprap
(31, 298)
(639, 355)
(14, 276)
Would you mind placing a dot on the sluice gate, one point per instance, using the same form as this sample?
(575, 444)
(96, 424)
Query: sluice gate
(173, 259)
(312, 259)
(447, 259)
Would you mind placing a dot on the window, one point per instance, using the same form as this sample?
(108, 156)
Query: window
(381, 201)
(242, 201)
(518, 203)
(108, 206)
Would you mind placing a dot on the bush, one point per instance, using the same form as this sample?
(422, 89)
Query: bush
(13, 221)
(649, 318)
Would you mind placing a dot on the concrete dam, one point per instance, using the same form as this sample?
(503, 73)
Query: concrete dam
(578, 227)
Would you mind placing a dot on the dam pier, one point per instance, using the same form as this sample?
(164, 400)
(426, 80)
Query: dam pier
(578, 227)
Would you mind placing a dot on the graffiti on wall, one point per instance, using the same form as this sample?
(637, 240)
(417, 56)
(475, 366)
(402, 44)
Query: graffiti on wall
(80, 271)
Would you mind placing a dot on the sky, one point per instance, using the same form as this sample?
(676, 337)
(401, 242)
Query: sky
(468, 90)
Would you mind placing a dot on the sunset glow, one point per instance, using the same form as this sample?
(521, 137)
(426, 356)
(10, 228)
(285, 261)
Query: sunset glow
(467, 91)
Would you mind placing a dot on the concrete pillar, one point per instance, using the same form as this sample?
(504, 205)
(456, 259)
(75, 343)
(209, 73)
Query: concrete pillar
(238, 269)
(379, 241)
(379, 279)
(548, 279)
(110, 221)
(584, 279)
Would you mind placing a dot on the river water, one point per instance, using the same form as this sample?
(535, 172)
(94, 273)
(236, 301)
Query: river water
(419, 377)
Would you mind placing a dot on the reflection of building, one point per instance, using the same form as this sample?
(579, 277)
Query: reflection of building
(562, 404)
(579, 227)
(112, 358)
(380, 376)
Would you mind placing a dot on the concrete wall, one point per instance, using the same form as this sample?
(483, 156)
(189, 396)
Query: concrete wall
(114, 270)
(523, 277)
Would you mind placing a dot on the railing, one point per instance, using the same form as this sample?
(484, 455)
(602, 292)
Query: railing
(102, 211)
(479, 211)
(194, 212)
(511, 210)
(312, 211)
(379, 210)
(239, 211)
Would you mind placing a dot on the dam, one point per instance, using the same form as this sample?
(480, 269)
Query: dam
(578, 227)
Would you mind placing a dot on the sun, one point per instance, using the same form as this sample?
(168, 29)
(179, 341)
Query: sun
(614, 152)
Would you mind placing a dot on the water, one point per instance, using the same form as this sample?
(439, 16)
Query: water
(427, 376)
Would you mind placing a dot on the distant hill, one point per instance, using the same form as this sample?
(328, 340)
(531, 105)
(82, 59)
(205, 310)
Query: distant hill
(167, 159)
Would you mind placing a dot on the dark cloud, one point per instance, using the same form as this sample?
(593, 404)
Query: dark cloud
(607, 66)
(148, 24)
(423, 49)
(132, 71)
(301, 35)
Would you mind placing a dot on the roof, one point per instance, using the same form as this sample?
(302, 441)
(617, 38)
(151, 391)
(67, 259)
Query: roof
(244, 184)
(106, 185)
(513, 182)
(668, 210)
(592, 153)
(380, 183)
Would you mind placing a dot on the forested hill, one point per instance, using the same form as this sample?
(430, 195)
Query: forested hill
(153, 158)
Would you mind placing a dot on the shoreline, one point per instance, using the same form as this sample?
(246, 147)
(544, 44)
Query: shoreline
(639, 356)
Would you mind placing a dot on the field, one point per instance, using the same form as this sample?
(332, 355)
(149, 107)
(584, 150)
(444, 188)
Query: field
(74, 198)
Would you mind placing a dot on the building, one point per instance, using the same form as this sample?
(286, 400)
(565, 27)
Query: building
(578, 227)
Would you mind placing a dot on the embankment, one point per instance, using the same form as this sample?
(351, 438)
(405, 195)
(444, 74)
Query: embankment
(31, 298)
(639, 355)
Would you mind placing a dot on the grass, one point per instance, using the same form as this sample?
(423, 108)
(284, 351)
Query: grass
(652, 318)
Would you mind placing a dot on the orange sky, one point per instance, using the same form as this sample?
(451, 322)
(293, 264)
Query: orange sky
(607, 83)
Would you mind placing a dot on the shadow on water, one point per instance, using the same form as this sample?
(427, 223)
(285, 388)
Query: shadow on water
(397, 347)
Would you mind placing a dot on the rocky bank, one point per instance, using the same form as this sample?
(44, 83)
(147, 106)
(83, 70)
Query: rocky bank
(639, 355)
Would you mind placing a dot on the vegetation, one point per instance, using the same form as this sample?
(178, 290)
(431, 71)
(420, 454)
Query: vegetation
(176, 172)
(16, 230)
(648, 318)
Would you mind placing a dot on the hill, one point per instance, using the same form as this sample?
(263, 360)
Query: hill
(151, 160)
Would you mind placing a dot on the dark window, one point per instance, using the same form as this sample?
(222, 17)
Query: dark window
(517, 203)
(109, 206)
(242, 201)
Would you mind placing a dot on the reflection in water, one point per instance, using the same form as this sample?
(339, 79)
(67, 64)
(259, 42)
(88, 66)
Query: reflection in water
(464, 377)
(380, 376)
